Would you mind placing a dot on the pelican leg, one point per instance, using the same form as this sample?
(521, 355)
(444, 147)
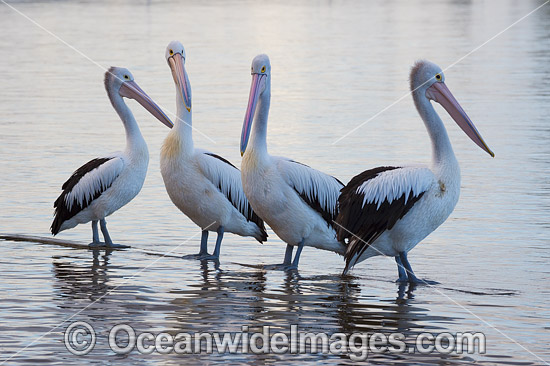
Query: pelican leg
(287, 261)
(204, 243)
(288, 254)
(216, 255)
(412, 278)
(218, 242)
(203, 250)
(108, 242)
(95, 233)
(401, 270)
(294, 264)
(105, 232)
(96, 243)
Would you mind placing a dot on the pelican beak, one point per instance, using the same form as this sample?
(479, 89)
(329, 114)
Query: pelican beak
(442, 95)
(177, 65)
(258, 81)
(130, 89)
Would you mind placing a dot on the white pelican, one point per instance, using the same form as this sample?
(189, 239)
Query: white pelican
(204, 186)
(103, 185)
(388, 210)
(299, 203)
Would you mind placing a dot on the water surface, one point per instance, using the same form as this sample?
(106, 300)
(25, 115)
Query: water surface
(335, 64)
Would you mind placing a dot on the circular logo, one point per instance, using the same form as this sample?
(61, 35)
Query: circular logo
(80, 338)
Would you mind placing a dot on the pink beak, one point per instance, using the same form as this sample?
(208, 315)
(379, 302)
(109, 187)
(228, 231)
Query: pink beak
(442, 95)
(130, 89)
(257, 81)
(177, 66)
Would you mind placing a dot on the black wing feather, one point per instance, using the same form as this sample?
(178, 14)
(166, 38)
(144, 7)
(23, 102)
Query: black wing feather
(62, 212)
(362, 225)
(248, 213)
(315, 204)
(222, 159)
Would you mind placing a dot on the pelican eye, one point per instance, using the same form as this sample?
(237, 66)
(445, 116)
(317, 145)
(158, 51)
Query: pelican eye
(171, 52)
(263, 69)
(126, 77)
(438, 77)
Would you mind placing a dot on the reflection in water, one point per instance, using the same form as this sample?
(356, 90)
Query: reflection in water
(405, 292)
(77, 282)
(95, 291)
(226, 300)
(215, 299)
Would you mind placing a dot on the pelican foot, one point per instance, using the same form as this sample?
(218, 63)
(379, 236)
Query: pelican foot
(198, 256)
(276, 267)
(280, 267)
(406, 273)
(102, 245)
(292, 267)
(210, 257)
(417, 281)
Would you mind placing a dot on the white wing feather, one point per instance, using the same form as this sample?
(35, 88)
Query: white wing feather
(96, 180)
(315, 185)
(392, 184)
(224, 176)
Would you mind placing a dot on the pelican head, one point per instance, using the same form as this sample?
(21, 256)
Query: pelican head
(428, 79)
(261, 73)
(119, 80)
(175, 56)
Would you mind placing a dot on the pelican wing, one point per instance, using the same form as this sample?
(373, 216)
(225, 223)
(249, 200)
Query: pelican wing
(227, 178)
(319, 190)
(374, 201)
(85, 185)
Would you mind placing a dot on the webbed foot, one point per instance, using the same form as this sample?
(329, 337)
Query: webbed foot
(417, 281)
(197, 256)
(277, 267)
(101, 245)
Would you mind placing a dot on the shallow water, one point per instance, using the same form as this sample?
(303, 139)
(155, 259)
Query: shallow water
(335, 65)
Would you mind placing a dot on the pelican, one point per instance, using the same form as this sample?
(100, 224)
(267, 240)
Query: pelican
(105, 184)
(204, 186)
(299, 203)
(388, 210)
